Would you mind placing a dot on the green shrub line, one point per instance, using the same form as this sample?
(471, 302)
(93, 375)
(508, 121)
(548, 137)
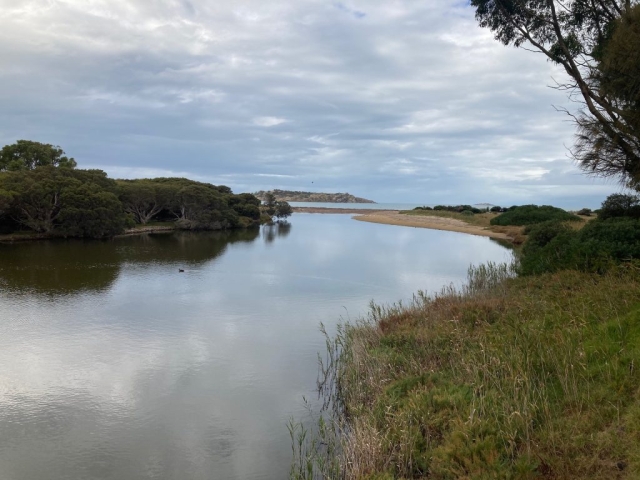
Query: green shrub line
(532, 214)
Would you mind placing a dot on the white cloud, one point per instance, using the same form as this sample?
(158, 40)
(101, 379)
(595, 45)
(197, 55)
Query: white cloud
(268, 121)
(231, 89)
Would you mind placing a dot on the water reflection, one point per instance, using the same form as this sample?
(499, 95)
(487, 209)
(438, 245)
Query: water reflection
(64, 267)
(277, 229)
(159, 374)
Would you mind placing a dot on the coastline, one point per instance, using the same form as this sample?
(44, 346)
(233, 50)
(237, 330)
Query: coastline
(343, 210)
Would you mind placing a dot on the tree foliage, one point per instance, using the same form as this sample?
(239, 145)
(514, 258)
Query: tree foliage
(27, 155)
(282, 210)
(276, 208)
(64, 201)
(596, 42)
(620, 205)
(40, 190)
(143, 199)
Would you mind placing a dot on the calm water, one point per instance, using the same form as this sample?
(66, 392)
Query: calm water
(117, 366)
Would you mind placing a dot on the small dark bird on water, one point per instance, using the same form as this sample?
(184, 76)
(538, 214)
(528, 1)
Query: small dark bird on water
(180, 270)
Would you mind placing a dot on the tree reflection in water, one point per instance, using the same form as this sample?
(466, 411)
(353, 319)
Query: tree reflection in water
(277, 229)
(68, 267)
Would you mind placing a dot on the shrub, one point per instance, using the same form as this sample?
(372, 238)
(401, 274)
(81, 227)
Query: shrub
(586, 212)
(541, 234)
(467, 212)
(532, 214)
(620, 205)
(599, 245)
(496, 209)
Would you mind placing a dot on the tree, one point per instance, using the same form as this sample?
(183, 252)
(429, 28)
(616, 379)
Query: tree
(5, 201)
(200, 208)
(580, 35)
(282, 210)
(144, 199)
(64, 201)
(270, 203)
(37, 199)
(620, 205)
(90, 212)
(27, 155)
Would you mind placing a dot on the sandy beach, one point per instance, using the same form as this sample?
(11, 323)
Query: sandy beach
(436, 223)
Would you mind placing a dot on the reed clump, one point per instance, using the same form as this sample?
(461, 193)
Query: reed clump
(528, 377)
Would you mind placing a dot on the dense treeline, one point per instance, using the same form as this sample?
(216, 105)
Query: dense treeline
(42, 191)
(193, 205)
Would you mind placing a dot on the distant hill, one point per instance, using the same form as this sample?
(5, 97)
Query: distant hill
(289, 196)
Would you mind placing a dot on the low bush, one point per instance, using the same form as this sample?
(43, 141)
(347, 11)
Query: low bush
(585, 212)
(454, 208)
(620, 205)
(599, 245)
(532, 214)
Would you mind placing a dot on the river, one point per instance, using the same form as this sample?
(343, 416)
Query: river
(116, 365)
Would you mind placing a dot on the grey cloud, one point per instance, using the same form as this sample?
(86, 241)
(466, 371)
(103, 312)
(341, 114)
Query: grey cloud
(396, 101)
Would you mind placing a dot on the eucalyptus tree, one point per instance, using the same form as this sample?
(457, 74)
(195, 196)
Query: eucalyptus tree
(282, 210)
(63, 201)
(144, 199)
(27, 155)
(597, 44)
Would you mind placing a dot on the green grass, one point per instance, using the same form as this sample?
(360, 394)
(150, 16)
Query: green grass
(512, 378)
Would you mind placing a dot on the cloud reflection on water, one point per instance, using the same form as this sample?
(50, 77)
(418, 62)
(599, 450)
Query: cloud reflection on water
(193, 375)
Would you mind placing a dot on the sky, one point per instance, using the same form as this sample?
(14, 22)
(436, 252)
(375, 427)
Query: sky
(394, 100)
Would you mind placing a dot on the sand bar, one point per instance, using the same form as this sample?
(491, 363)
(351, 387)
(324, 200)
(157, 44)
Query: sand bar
(436, 223)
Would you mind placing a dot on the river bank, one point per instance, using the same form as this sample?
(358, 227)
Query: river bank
(33, 236)
(432, 222)
(528, 377)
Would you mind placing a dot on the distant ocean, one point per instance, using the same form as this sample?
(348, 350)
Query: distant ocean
(368, 206)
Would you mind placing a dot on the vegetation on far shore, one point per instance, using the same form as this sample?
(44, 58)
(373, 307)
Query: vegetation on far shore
(44, 195)
(295, 196)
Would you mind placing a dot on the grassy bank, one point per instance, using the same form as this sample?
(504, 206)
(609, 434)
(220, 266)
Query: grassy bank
(531, 377)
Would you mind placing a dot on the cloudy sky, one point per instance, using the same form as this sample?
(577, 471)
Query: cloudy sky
(394, 100)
